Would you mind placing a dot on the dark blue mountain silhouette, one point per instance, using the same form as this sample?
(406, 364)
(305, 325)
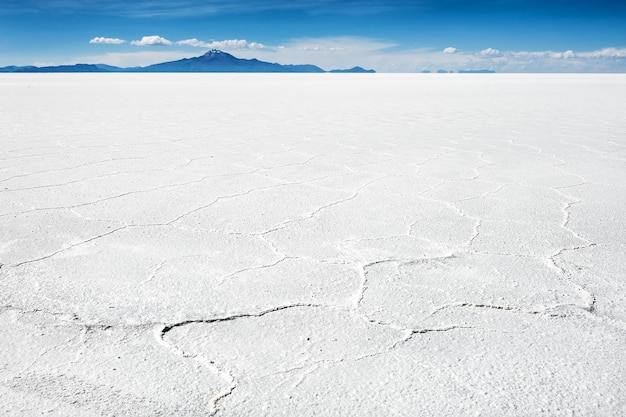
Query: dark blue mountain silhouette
(212, 61)
(13, 68)
(218, 61)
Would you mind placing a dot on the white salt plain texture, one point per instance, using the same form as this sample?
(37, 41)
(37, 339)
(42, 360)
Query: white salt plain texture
(312, 245)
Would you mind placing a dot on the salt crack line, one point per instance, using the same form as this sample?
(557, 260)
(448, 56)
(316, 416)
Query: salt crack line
(305, 162)
(461, 213)
(160, 333)
(254, 268)
(587, 295)
(169, 327)
(110, 232)
(420, 165)
(70, 319)
(95, 163)
(312, 367)
(67, 342)
(225, 375)
(219, 198)
(155, 272)
(283, 184)
(477, 227)
(97, 177)
(478, 168)
(320, 209)
(563, 163)
(486, 306)
(567, 215)
(487, 194)
(412, 332)
(363, 286)
(132, 192)
(360, 295)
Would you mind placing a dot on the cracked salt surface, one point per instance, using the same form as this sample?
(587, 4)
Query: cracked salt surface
(229, 244)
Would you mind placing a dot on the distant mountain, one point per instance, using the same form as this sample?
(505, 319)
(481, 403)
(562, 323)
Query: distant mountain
(60, 68)
(111, 68)
(218, 61)
(212, 61)
(64, 68)
(470, 71)
(476, 71)
(353, 70)
(13, 68)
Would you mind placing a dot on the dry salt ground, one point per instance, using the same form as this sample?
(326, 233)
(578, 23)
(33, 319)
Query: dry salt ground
(312, 245)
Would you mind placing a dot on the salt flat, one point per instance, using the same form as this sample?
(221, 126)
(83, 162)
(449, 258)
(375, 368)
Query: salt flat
(312, 245)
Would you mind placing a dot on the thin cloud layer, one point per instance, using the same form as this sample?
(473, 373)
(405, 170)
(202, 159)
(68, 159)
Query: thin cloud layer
(599, 54)
(184, 8)
(225, 44)
(108, 41)
(603, 60)
(137, 58)
(154, 40)
(604, 53)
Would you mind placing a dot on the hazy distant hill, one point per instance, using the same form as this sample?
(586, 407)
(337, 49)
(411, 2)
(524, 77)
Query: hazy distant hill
(13, 68)
(213, 61)
(61, 68)
(476, 71)
(64, 68)
(353, 70)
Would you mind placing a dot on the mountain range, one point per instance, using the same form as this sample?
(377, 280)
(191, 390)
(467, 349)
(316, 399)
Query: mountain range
(212, 61)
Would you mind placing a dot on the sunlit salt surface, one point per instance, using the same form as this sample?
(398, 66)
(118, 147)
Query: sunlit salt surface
(312, 245)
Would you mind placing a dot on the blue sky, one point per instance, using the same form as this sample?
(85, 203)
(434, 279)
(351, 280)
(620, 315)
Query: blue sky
(387, 35)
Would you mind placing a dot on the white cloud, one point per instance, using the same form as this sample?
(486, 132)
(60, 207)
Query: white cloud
(193, 42)
(152, 41)
(225, 44)
(109, 41)
(490, 52)
(449, 50)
